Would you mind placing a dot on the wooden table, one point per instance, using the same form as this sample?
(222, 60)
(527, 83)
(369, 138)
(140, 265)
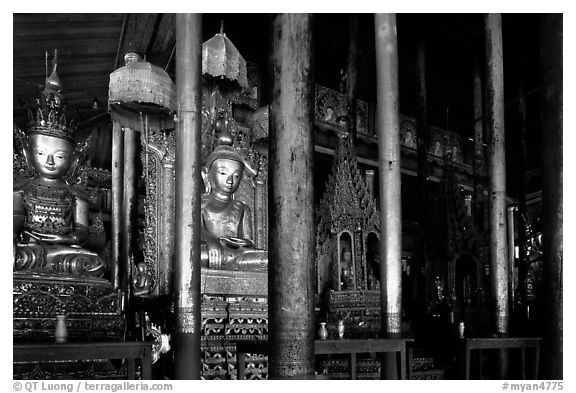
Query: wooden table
(463, 348)
(328, 347)
(521, 343)
(355, 346)
(129, 350)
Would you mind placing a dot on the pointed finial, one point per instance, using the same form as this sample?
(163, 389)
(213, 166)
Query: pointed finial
(46, 66)
(222, 26)
(53, 82)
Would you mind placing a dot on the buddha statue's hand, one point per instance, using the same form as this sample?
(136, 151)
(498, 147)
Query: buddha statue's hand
(215, 257)
(236, 242)
(214, 251)
(51, 238)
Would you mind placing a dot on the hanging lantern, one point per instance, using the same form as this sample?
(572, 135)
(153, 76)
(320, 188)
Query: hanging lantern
(141, 87)
(221, 59)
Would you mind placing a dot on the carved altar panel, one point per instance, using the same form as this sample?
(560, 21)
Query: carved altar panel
(154, 276)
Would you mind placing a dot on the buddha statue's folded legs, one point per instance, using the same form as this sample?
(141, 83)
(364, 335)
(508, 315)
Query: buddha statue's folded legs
(240, 258)
(57, 258)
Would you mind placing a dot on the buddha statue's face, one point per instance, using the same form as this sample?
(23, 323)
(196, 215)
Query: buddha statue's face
(225, 175)
(50, 156)
(346, 256)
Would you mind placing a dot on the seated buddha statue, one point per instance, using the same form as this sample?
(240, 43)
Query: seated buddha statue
(347, 272)
(227, 241)
(50, 217)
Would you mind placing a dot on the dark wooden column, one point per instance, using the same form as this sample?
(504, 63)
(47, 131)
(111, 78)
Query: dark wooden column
(291, 202)
(422, 126)
(552, 140)
(128, 214)
(479, 159)
(388, 125)
(522, 208)
(497, 170)
(117, 197)
(352, 73)
(422, 145)
(422, 137)
(187, 198)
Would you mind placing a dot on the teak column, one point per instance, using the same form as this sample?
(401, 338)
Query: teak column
(187, 197)
(291, 202)
(128, 214)
(479, 170)
(388, 125)
(522, 208)
(352, 74)
(551, 40)
(117, 197)
(387, 120)
(422, 140)
(497, 169)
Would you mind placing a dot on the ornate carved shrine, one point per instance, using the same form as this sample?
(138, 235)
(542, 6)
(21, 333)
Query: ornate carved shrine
(61, 250)
(456, 257)
(234, 303)
(347, 247)
(347, 242)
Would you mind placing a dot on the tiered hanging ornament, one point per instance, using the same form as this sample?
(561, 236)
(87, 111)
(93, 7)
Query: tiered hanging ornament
(141, 88)
(221, 59)
(225, 77)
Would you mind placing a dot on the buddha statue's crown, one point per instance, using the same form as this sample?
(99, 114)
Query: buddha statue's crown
(224, 150)
(47, 115)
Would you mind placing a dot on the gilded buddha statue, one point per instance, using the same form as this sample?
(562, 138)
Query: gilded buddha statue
(227, 241)
(50, 217)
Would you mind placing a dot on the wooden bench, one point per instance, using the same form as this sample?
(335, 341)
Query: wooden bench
(131, 351)
(463, 348)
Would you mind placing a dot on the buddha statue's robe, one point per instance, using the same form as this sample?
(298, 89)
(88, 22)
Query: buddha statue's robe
(53, 209)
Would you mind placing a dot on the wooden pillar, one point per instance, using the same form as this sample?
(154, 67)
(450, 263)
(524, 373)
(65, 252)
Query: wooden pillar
(117, 197)
(260, 216)
(422, 128)
(352, 74)
(510, 225)
(479, 159)
(129, 203)
(422, 145)
(497, 170)
(187, 197)
(522, 208)
(551, 56)
(387, 120)
(291, 202)
(388, 125)
(422, 140)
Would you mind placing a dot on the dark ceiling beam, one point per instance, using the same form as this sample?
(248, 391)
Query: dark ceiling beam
(140, 31)
(160, 49)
